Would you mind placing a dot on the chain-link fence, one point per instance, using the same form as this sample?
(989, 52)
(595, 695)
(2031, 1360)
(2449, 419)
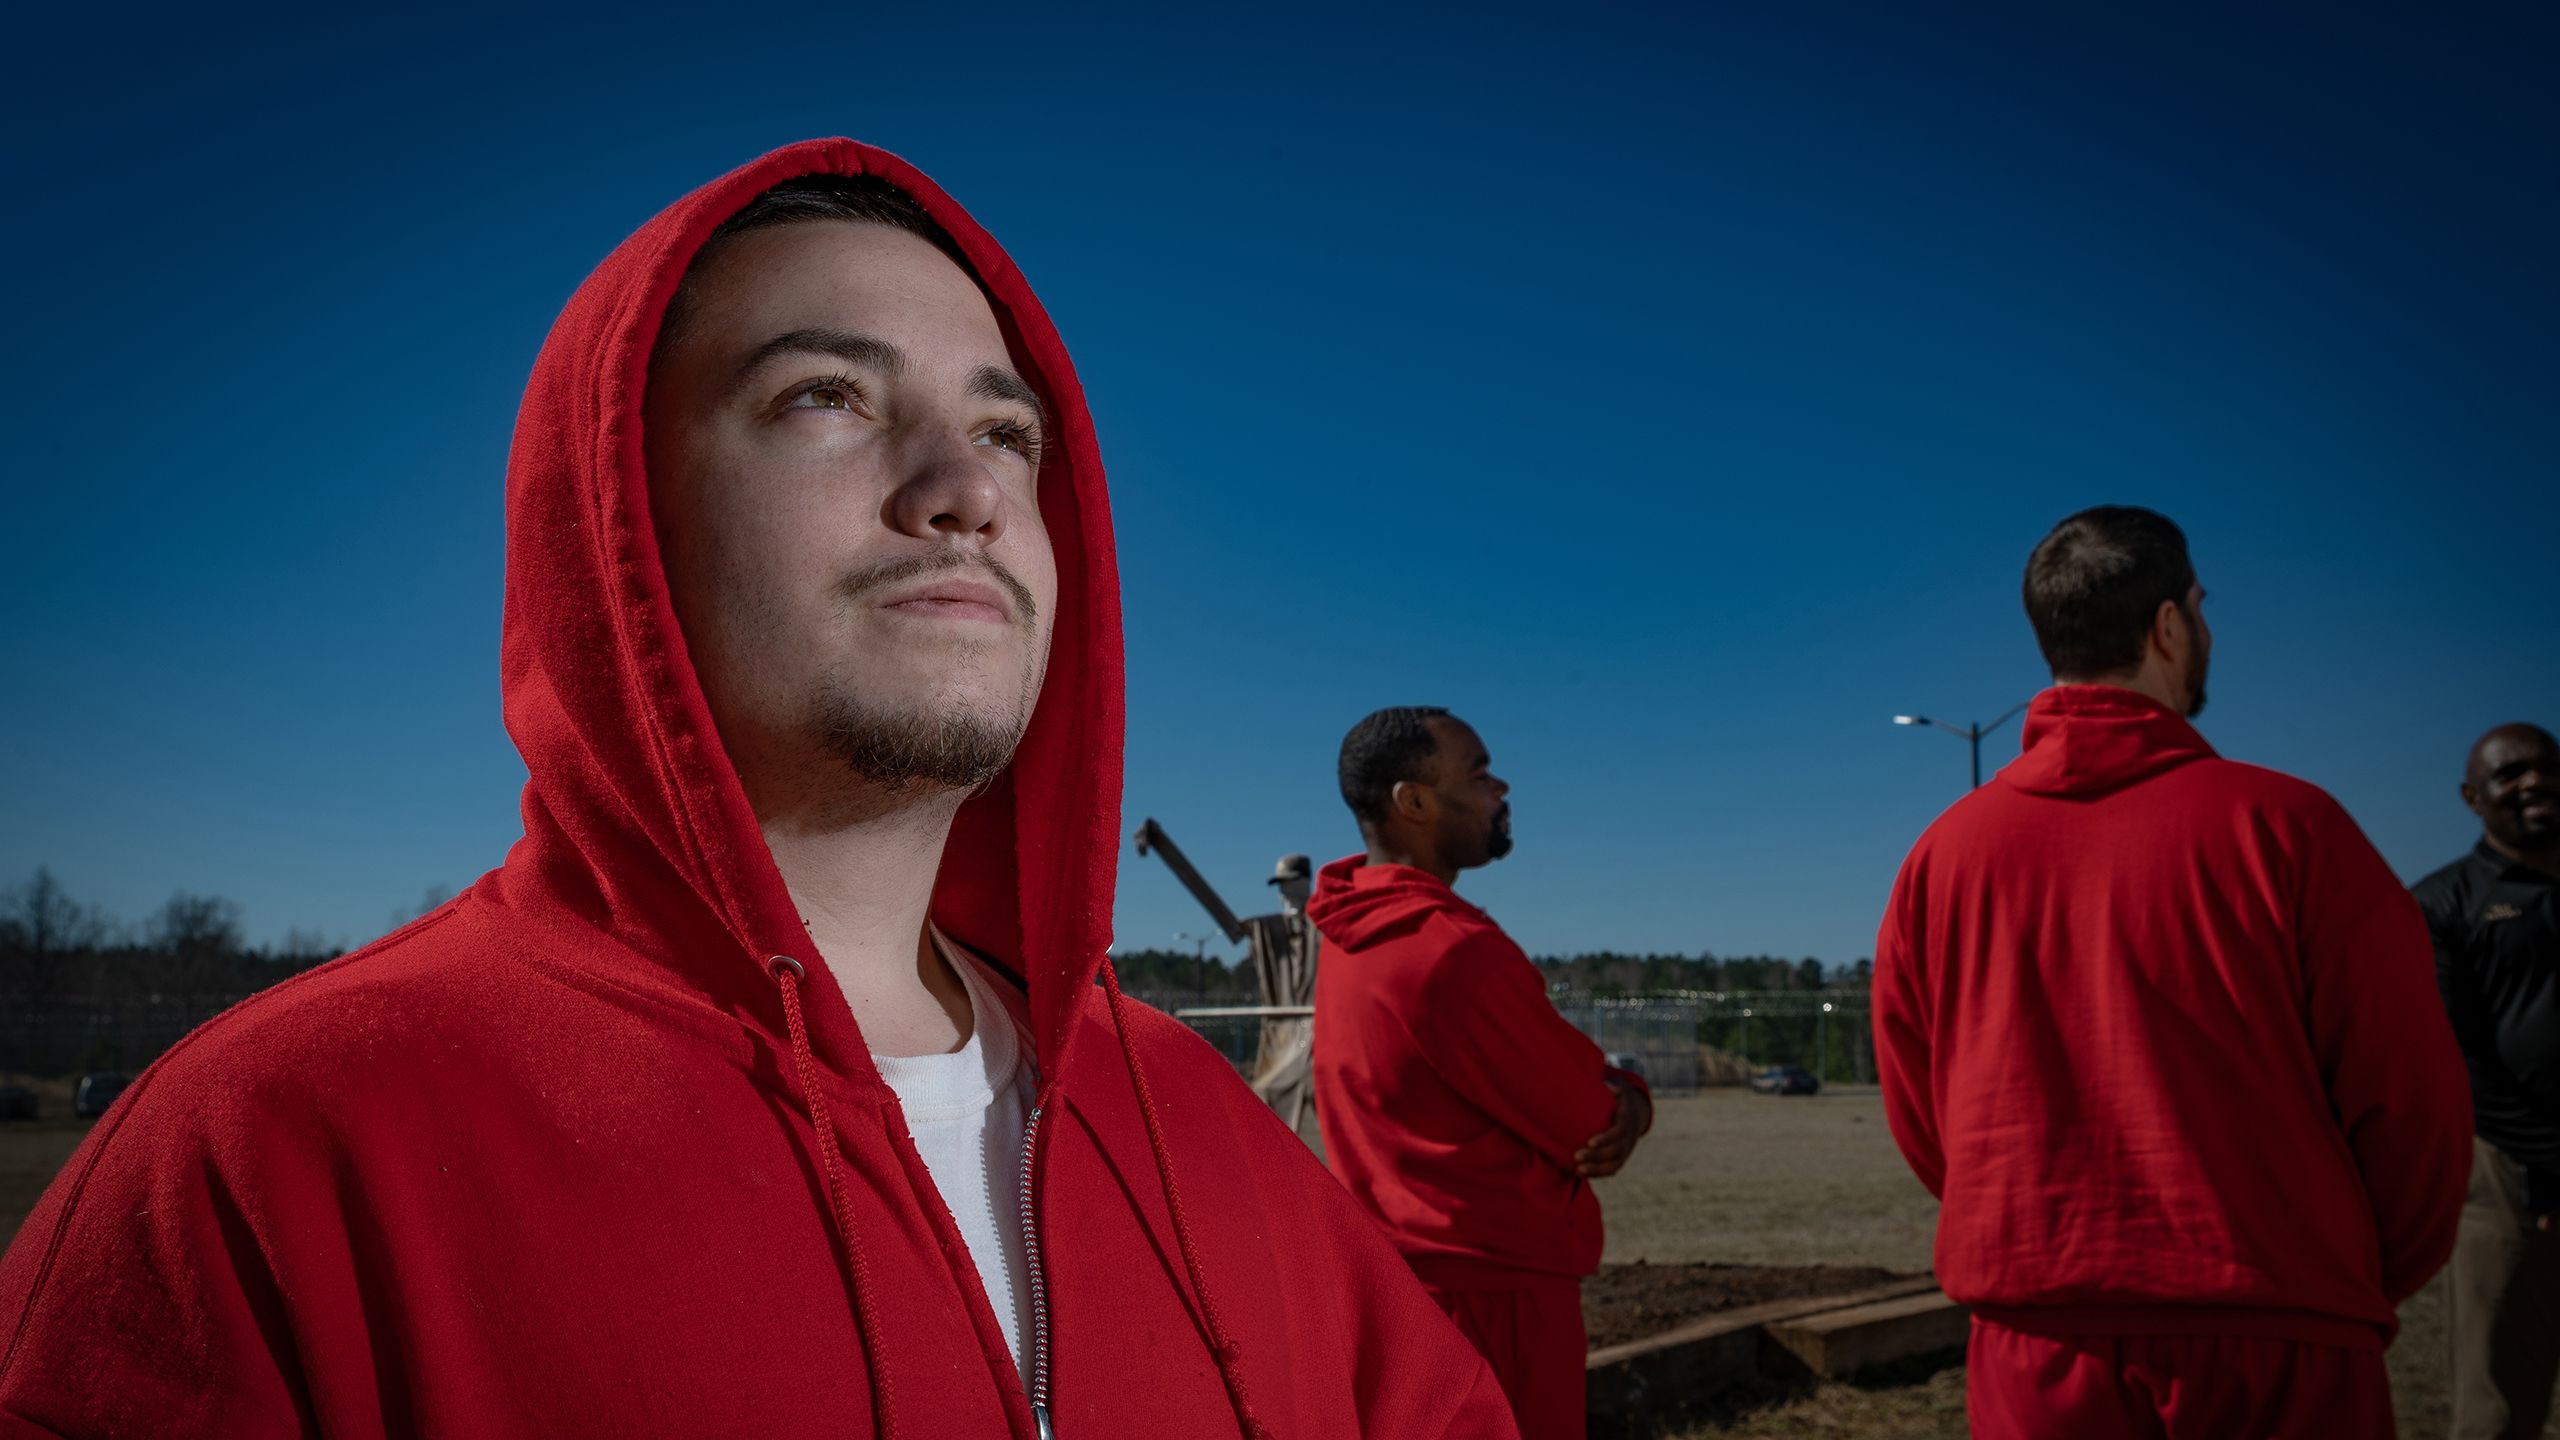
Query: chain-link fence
(1660, 1036)
(70, 1040)
(1739, 1032)
(1681, 1041)
(1238, 1036)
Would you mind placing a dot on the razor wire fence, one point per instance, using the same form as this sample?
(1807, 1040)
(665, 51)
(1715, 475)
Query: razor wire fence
(1234, 1031)
(1737, 1033)
(1680, 1041)
(1657, 1039)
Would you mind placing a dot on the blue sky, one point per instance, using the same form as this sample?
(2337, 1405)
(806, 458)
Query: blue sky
(1676, 395)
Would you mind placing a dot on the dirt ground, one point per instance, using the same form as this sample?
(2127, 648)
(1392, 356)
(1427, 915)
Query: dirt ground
(30, 1152)
(1807, 1180)
(1629, 1302)
(1729, 1178)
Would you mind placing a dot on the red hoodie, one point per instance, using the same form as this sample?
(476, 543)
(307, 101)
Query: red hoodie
(2160, 1029)
(543, 1162)
(1451, 1094)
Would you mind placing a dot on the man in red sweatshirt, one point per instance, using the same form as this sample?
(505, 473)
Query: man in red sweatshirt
(765, 1089)
(2159, 1029)
(1465, 1113)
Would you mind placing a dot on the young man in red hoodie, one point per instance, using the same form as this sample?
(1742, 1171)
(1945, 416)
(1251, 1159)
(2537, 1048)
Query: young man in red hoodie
(1465, 1113)
(2159, 1029)
(765, 1089)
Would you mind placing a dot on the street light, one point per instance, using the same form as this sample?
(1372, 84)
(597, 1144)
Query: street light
(1970, 734)
(1200, 966)
(1822, 1066)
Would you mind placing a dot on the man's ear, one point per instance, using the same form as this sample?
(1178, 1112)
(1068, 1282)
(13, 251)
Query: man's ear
(2470, 797)
(1408, 800)
(2171, 635)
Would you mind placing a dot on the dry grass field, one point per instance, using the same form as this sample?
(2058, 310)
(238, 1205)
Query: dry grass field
(1728, 1176)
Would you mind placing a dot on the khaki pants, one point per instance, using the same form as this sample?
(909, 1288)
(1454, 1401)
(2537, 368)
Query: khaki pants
(2506, 1308)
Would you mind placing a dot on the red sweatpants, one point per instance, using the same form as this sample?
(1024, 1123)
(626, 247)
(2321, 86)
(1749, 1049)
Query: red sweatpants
(1533, 1339)
(2171, 1387)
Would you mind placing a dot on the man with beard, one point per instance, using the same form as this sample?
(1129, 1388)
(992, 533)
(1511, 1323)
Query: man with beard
(765, 1089)
(2497, 940)
(1464, 1113)
(2156, 1027)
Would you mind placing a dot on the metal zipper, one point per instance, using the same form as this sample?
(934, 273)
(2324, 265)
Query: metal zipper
(1039, 1288)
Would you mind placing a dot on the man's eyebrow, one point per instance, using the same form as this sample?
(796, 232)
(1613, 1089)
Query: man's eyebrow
(994, 382)
(851, 346)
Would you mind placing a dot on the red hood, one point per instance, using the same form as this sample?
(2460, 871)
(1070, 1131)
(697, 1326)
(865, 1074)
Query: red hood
(2084, 740)
(1358, 904)
(633, 814)
(637, 1111)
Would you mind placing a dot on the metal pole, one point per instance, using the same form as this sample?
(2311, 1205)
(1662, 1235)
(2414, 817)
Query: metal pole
(1822, 1032)
(1975, 735)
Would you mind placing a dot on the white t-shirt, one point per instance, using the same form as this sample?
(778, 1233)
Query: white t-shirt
(967, 1111)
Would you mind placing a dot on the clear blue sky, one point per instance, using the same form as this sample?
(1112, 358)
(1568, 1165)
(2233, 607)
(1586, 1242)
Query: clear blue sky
(1676, 393)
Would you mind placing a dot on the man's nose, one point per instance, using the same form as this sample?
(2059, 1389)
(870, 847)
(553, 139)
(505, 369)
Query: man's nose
(947, 492)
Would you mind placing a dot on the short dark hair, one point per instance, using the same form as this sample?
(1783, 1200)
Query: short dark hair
(865, 198)
(2095, 583)
(1387, 747)
(837, 197)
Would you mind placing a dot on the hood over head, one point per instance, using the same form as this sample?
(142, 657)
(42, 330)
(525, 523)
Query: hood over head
(2084, 741)
(1358, 904)
(634, 817)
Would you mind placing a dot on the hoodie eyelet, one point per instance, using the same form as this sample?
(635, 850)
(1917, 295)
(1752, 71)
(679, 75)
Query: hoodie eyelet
(776, 963)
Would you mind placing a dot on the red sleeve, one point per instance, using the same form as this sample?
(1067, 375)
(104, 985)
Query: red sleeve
(1323, 1305)
(1898, 1000)
(1489, 1030)
(2386, 1051)
(1630, 1080)
(137, 1294)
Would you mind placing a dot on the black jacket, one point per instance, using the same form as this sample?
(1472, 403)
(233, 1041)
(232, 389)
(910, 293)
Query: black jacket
(2497, 939)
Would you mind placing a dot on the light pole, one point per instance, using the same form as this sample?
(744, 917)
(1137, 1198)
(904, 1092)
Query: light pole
(1822, 1065)
(1200, 963)
(1971, 734)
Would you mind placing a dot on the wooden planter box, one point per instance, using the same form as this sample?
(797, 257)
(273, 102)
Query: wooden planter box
(1827, 1335)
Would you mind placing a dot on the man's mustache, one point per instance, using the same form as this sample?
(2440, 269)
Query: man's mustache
(904, 568)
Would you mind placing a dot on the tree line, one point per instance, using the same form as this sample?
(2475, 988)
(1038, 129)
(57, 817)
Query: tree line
(1607, 973)
(81, 990)
(1177, 974)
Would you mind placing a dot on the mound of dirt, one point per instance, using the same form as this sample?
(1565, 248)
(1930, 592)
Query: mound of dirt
(1629, 1302)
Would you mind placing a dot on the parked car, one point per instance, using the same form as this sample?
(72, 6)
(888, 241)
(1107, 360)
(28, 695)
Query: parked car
(1627, 1060)
(1785, 1080)
(96, 1092)
(17, 1102)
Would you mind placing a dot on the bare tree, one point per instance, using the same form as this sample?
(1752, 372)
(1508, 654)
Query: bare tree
(42, 930)
(197, 925)
(436, 896)
(197, 940)
(302, 948)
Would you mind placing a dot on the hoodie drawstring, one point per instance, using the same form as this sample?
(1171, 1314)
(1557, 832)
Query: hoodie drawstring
(788, 973)
(1228, 1354)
